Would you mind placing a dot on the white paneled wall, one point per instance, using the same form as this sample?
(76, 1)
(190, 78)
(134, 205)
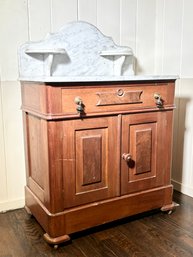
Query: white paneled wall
(187, 40)
(3, 178)
(160, 33)
(172, 36)
(13, 32)
(108, 18)
(128, 21)
(39, 18)
(61, 12)
(87, 11)
(145, 36)
(12, 151)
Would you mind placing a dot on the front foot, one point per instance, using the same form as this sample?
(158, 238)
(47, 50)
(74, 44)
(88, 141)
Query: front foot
(55, 241)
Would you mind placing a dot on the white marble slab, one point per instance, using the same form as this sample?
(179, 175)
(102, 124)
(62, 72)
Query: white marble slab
(77, 49)
(100, 78)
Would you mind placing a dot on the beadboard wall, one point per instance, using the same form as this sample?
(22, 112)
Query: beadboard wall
(160, 33)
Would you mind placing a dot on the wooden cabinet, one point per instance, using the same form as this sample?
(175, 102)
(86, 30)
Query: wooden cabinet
(100, 158)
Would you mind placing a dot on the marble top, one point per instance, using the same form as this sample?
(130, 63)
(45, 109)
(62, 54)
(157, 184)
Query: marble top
(100, 78)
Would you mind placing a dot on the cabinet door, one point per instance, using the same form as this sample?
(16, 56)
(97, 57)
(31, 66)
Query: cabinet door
(91, 151)
(146, 151)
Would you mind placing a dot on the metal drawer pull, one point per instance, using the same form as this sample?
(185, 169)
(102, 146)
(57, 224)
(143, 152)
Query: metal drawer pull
(158, 100)
(80, 105)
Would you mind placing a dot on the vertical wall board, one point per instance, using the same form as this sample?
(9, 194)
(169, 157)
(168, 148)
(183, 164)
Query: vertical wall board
(13, 139)
(63, 12)
(187, 41)
(39, 19)
(13, 32)
(159, 36)
(145, 36)
(108, 18)
(176, 175)
(3, 178)
(185, 134)
(172, 36)
(128, 23)
(87, 11)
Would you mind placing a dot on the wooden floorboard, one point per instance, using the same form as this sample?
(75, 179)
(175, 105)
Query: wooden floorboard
(153, 234)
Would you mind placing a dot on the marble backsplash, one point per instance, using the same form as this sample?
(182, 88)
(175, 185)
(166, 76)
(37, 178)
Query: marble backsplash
(77, 49)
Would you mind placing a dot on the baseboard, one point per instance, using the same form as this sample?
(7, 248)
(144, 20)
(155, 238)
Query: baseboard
(185, 189)
(12, 205)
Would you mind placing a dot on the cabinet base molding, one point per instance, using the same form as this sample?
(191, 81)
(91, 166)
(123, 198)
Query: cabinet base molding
(28, 210)
(59, 225)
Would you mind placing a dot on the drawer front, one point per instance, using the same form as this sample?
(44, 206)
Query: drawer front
(49, 101)
(116, 98)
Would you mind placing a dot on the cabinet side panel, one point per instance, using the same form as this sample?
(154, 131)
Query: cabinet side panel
(35, 151)
(55, 141)
(34, 97)
(37, 156)
(167, 139)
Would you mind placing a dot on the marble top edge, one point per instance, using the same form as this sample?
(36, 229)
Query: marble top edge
(100, 78)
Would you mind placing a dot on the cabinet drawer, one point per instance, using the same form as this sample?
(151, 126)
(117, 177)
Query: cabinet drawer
(49, 100)
(119, 98)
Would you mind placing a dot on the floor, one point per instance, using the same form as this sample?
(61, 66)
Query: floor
(152, 234)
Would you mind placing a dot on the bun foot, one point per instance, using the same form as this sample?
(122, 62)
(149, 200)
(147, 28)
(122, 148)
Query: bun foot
(55, 241)
(169, 208)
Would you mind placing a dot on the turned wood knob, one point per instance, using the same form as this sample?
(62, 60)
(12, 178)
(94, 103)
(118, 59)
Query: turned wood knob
(126, 157)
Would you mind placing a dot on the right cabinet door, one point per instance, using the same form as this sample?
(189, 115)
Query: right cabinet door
(146, 151)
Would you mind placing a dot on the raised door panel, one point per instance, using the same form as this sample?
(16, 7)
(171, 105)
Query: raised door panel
(146, 151)
(91, 150)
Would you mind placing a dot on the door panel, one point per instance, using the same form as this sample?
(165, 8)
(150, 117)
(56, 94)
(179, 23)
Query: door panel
(91, 159)
(91, 153)
(143, 141)
(142, 149)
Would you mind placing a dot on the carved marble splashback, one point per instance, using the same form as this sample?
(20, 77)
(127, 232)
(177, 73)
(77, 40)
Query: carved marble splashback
(78, 49)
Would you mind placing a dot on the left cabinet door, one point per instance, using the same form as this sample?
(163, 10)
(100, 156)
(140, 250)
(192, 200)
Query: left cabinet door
(90, 160)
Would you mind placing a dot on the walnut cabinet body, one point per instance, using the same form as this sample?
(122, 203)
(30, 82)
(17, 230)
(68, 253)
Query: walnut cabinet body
(100, 158)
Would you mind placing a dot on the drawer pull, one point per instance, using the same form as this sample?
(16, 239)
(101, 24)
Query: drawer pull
(158, 100)
(126, 157)
(80, 105)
